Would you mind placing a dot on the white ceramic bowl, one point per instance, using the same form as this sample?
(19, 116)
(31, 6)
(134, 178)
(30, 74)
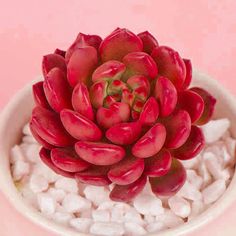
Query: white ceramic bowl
(17, 113)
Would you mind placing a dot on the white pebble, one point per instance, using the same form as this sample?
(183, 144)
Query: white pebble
(133, 216)
(215, 129)
(231, 144)
(57, 194)
(41, 169)
(16, 154)
(60, 208)
(194, 179)
(227, 158)
(149, 218)
(20, 169)
(122, 205)
(26, 130)
(212, 164)
(133, 229)
(226, 135)
(190, 192)
(29, 196)
(213, 191)
(155, 227)
(101, 215)
(148, 204)
(81, 224)
(74, 203)
(169, 219)
(197, 208)
(96, 194)
(227, 173)
(118, 211)
(46, 203)
(86, 213)
(62, 217)
(192, 163)
(107, 229)
(68, 185)
(107, 205)
(203, 172)
(216, 149)
(179, 206)
(38, 183)
(32, 153)
(28, 139)
(23, 146)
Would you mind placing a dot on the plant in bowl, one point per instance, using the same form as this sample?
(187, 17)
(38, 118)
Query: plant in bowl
(118, 114)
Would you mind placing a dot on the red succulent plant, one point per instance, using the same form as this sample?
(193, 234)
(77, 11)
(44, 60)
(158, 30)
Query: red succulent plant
(119, 111)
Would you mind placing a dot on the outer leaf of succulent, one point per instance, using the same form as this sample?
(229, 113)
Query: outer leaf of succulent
(127, 171)
(209, 105)
(158, 165)
(170, 65)
(48, 126)
(39, 95)
(95, 175)
(82, 40)
(188, 77)
(178, 127)
(39, 139)
(68, 160)
(119, 111)
(192, 103)
(60, 52)
(57, 90)
(169, 184)
(125, 193)
(45, 156)
(192, 146)
(79, 126)
(51, 61)
(149, 42)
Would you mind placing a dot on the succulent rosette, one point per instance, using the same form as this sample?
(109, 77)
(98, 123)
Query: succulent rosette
(119, 110)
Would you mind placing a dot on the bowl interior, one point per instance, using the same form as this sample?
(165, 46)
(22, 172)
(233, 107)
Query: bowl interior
(17, 113)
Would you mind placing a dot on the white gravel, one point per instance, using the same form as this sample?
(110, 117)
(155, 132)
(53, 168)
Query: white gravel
(73, 203)
(88, 209)
(38, 183)
(179, 206)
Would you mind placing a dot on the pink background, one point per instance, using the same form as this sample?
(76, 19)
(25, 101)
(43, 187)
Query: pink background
(203, 30)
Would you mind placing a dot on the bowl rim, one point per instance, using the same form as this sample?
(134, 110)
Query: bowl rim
(12, 194)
